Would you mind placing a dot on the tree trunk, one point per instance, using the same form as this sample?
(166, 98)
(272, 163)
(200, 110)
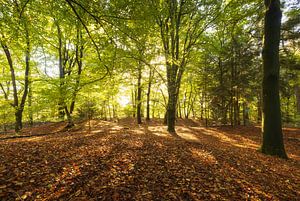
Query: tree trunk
(245, 114)
(272, 143)
(18, 117)
(19, 107)
(61, 102)
(30, 112)
(171, 114)
(79, 57)
(28, 82)
(173, 97)
(259, 112)
(179, 111)
(139, 95)
(69, 118)
(148, 94)
(133, 98)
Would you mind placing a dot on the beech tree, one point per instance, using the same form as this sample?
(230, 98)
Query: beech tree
(181, 25)
(272, 143)
(17, 16)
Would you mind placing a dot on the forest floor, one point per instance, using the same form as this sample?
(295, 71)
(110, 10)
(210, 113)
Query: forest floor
(123, 161)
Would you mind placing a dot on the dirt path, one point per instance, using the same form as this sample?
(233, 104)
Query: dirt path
(121, 161)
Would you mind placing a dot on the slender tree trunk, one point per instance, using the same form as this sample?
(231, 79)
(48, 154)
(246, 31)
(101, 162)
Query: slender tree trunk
(259, 110)
(13, 79)
(148, 94)
(28, 80)
(79, 57)
(179, 110)
(30, 112)
(237, 109)
(19, 107)
(139, 95)
(272, 143)
(245, 114)
(109, 109)
(61, 102)
(27, 74)
(201, 105)
(190, 105)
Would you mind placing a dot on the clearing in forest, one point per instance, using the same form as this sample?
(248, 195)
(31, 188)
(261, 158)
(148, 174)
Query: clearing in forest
(123, 161)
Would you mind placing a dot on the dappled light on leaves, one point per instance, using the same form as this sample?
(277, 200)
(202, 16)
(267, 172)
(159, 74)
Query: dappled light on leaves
(145, 163)
(236, 140)
(203, 156)
(139, 131)
(159, 131)
(186, 133)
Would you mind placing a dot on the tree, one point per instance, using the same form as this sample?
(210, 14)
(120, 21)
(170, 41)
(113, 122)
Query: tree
(18, 102)
(272, 143)
(181, 24)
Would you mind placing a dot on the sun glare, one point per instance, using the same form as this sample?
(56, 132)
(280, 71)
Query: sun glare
(123, 100)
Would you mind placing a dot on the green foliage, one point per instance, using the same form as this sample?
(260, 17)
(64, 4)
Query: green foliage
(218, 51)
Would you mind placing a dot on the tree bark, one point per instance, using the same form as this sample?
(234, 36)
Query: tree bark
(61, 103)
(30, 112)
(18, 119)
(259, 110)
(148, 94)
(139, 94)
(79, 57)
(19, 107)
(173, 89)
(272, 143)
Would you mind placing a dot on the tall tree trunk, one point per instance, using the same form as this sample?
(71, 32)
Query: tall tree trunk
(173, 98)
(176, 58)
(30, 112)
(79, 57)
(185, 109)
(133, 98)
(245, 114)
(259, 110)
(139, 95)
(61, 102)
(13, 79)
(272, 143)
(19, 107)
(148, 94)
(28, 81)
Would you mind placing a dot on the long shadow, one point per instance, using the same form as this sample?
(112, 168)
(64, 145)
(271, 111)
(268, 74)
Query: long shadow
(130, 165)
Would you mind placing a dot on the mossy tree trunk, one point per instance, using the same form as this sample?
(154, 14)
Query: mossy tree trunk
(272, 129)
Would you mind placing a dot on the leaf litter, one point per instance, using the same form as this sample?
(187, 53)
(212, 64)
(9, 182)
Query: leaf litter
(123, 161)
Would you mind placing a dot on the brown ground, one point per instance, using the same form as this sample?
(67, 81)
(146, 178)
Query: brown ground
(122, 161)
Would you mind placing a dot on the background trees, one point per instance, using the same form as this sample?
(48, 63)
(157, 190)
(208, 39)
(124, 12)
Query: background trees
(179, 59)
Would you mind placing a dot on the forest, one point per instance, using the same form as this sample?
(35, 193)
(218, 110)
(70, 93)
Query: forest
(149, 100)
